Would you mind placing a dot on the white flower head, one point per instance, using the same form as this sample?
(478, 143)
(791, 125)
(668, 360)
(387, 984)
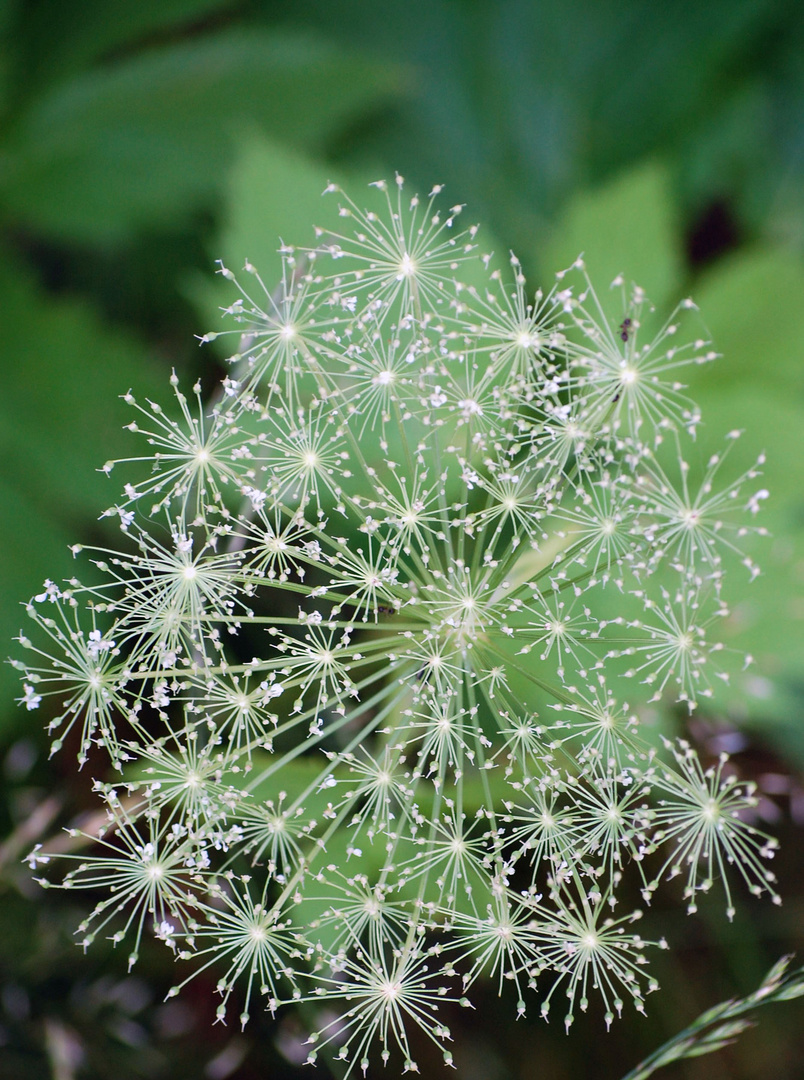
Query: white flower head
(366, 640)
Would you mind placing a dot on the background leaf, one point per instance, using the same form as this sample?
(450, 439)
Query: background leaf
(753, 307)
(56, 39)
(273, 193)
(60, 420)
(629, 227)
(148, 140)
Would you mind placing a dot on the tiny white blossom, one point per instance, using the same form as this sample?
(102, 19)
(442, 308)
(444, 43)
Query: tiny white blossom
(30, 699)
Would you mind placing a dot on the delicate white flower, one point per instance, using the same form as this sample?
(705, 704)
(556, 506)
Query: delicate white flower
(364, 663)
(30, 699)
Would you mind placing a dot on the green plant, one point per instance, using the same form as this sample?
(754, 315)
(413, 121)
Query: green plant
(723, 1023)
(359, 660)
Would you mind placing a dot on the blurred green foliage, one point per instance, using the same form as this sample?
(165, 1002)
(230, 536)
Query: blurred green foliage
(142, 140)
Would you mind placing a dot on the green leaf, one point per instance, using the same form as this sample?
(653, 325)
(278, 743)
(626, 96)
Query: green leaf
(518, 104)
(56, 38)
(767, 614)
(731, 1017)
(149, 140)
(8, 45)
(35, 547)
(753, 305)
(294, 778)
(60, 419)
(628, 227)
(273, 196)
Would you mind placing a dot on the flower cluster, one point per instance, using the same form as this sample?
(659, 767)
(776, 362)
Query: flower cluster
(358, 663)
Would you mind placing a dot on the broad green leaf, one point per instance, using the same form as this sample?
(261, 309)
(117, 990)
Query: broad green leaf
(149, 140)
(293, 778)
(8, 11)
(767, 614)
(55, 38)
(273, 197)
(60, 419)
(628, 227)
(8, 50)
(518, 104)
(35, 547)
(61, 413)
(753, 306)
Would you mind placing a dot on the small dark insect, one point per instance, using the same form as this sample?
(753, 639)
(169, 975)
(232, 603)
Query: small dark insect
(383, 609)
(626, 326)
(616, 398)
